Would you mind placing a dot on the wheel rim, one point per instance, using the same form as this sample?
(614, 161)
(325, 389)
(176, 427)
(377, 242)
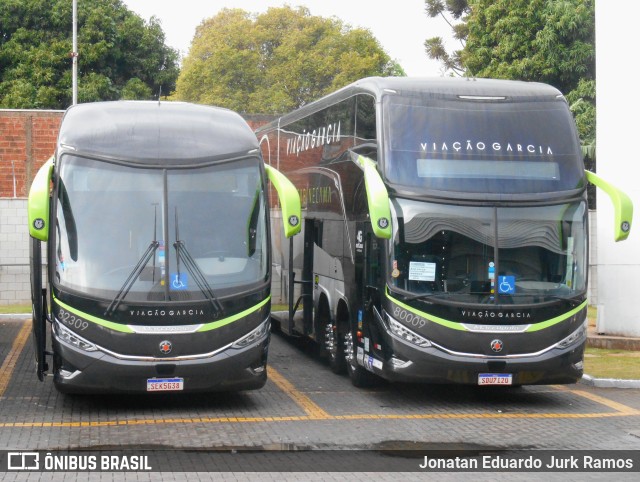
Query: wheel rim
(330, 340)
(348, 349)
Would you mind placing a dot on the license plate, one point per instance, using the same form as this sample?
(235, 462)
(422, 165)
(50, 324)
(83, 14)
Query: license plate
(165, 384)
(495, 379)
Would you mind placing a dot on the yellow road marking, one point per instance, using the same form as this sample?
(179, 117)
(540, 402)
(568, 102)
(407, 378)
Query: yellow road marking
(9, 364)
(311, 409)
(216, 420)
(304, 402)
(618, 407)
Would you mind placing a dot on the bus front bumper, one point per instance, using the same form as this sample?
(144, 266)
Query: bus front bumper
(411, 363)
(231, 368)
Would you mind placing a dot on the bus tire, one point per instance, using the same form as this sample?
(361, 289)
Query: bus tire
(330, 342)
(334, 348)
(360, 377)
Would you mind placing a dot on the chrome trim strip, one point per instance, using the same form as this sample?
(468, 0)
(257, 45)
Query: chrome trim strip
(167, 359)
(495, 357)
(165, 330)
(477, 328)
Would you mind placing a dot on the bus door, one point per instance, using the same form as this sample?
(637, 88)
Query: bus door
(367, 271)
(368, 344)
(304, 321)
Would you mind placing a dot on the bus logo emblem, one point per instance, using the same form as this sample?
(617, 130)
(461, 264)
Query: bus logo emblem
(497, 345)
(383, 223)
(38, 223)
(293, 220)
(165, 347)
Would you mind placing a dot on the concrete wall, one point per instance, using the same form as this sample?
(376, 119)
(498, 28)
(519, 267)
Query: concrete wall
(14, 252)
(618, 105)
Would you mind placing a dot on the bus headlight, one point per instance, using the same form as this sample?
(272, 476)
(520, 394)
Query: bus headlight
(253, 336)
(406, 334)
(71, 338)
(577, 335)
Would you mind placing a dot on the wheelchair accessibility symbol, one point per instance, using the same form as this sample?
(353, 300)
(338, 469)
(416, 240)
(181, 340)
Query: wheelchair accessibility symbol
(506, 285)
(179, 281)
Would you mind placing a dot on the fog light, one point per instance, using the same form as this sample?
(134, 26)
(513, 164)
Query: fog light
(398, 363)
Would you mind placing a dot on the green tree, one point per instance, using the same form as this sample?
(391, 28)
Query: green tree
(450, 11)
(276, 61)
(550, 41)
(120, 54)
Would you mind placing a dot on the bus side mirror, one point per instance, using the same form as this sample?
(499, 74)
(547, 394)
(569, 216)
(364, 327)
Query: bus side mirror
(622, 205)
(38, 202)
(289, 200)
(377, 198)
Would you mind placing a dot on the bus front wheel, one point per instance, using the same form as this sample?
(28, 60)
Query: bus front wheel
(359, 376)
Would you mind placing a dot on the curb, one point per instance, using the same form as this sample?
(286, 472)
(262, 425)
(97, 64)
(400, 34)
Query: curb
(608, 382)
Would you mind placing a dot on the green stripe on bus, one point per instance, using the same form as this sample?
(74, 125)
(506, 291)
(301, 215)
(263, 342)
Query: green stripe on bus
(457, 325)
(557, 319)
(125, 328)
(440, 321)
(94, 319)
(217, 324)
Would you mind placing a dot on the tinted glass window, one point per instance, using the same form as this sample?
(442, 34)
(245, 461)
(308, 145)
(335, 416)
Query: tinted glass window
(450, 252)
(481, 146)
(173, 231)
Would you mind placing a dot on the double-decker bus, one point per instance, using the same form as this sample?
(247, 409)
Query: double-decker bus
(158, 269)
(445, 231)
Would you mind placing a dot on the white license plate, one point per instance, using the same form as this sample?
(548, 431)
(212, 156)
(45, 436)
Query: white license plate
(495, 379)
(165, 384)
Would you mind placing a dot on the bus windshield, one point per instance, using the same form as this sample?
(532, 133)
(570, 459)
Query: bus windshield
(473, 146)
(176, 234)
(450, 252)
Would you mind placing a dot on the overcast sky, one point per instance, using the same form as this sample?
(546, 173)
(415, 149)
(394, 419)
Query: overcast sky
(401, 26)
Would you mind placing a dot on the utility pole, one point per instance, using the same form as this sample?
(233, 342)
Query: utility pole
(74, 54)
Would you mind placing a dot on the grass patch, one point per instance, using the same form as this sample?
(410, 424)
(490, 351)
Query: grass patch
(617, 364)
(4, 309)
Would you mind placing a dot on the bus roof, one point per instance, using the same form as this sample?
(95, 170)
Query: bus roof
(457, 86)
(441, 87)
(147, 132)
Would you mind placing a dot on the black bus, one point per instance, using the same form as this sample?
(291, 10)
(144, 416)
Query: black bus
(158, 269)
(445, 231)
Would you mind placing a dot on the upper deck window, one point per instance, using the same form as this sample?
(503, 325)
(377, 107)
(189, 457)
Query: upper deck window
(495, 146)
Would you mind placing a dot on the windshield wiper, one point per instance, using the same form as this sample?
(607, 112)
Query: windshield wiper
(434, 294)
(419, 296)
(194, 269)
(137, 269)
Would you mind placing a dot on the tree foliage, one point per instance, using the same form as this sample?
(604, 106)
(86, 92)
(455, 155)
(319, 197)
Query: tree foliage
(450, 11)
(120, 54)
(276, 61)
(550, 41)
